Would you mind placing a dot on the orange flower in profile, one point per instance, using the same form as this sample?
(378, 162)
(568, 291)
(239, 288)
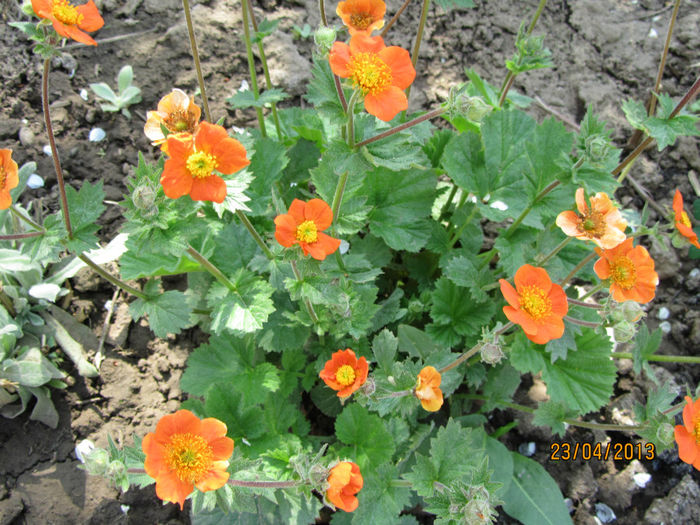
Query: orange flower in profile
(302, 225)
(536, 303)
(8, 177)
(68, 20)
(683, 221)
(344, 372)
(195, 161)
(362, 16)
(380, 72)
(602, 223)
(345, 481)
(688, 434)
(176, 112)
(428, 389)
(630, 270)
(186, 452)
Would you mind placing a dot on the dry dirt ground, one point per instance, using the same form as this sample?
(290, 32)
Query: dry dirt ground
(605, 51)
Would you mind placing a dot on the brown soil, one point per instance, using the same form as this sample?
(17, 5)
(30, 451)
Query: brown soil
(605, 52)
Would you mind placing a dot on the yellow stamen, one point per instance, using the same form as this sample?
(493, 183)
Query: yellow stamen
(593, 224)
(696, 429)
(66, 13)
(345, 375)
(307, 232)
(370, 73)
(623, 272)
(684, 219)
(188, 456)
(360, 20)
(180, 121)
(3, 176)
(201, 164)
(535, 302)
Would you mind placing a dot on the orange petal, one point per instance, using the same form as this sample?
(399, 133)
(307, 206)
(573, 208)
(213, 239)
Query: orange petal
(687, 447)
(213, 480)
(509, 293)
(678, 203)
(170, 488)
(528, 275)
(689, 414)
(211, 188)
(602, 268)
(92, 21)
(230, 155)
(362, 43)
(568, 222)
(387, 104)
(208, 135)
(176, 180)
(319, 212)
(42, 8)
(581, 202)
(339, 58)
(521, 318)
(285, 233)
(181, 422)
(560, 303)
(399, 60)
(75, 33)
(324, 246)
(212, 429)
(5, 199)
(296, 210)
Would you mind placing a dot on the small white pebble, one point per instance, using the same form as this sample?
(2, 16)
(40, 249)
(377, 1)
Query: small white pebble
(47, 150)
(664, 313)
(569, 504)
(84, 94)
(125, 508)
(344, 246)
(656, 18)
(499, 205)
(84, 448)
(694, 273)
(527, 449)
(604, 513)
(35, 181)
(292, 184)
(653, 33)
(443, 60)
(97, 134)
(108, 305)
(665, 327)
(244, 86)
(641, 479)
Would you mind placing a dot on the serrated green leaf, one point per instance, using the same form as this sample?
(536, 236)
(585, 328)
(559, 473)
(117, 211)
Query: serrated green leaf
(246, 309)
(552, 415)
(369, 441)
(384, 346)
(417, 343)
(464, 272)
(645, 344)
(267, 165)
(168, 312)
(219, 361)
(246, 99)
(321, 92)
(139, 261)
(501, 382)
(454, 306)
(85, 208)
(243, 419)
(559, 348)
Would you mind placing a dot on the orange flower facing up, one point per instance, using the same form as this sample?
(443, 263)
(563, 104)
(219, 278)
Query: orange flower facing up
(536, 303)
(688, 434)
(345, 481)
(345, 373)
(186, 452)
(683, 221)
(177, 113)
(630, 270)
(68, 20)
(602, 223)
(302, 225)
(9, 178)
(428, 389)
(195, 161)
(362, 16)
(381, 73)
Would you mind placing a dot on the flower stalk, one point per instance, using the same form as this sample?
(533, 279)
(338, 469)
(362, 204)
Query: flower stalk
(537, 199)
(580, 322)
(307, 302)
(212, 269)
(195, 56)
(660, 358)
(112, 279)
(251, 66)
(580, 265)
(26, 219)
(427, 116)
(254, 233)
(474, 349)
(419, 38)
(394, 18)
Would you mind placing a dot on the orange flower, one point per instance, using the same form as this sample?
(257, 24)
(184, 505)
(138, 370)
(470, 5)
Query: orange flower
(428, 389)
(683, 221)
(601, 223)
(8, 177)
(536, 303)
(688, 434)
(194, 161)
(345, 481)
(362, 16)
(68, 20)
(380, 72)
(185, 452)
(345, 373)
(177, 113)
(302, 226)
(631, 271)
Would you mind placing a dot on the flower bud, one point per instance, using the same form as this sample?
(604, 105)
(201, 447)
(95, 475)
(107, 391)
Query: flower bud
(491, 353)
(597, 148)
(665, 433)
(27, 8)
(624, 331)
(144, 198)
(368, 387)
(96, 461)
(324, 38)
(632, 311)
(475, 109)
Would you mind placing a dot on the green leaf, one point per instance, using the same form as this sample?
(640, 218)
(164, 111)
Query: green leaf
(380, 500)
(140, 261)
(30, 368)
(464, 272)
(321, 92)
(552, 415)
(246, 309)
(267, 165)
(243, 419)
(454, 306)
(448, 5)
(559, 348)
(246, 99)
(501, 382)
(124, 79)
(168, 312)
(533, 497)
(105, 92)
(645, 344)
(369, 441)
(417, 343)
(545, 147)
(400, 151)
(85, 208)
(661, 127)
(384, 346)
(265, 28)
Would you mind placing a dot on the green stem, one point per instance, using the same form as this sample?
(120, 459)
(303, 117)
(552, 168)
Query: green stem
(351, 118)
(580, 322)
(7, 302)
(114, 280)
(394, 18)
(243, 482)
(592, 291)
(473, 350)
(54, 151)
(266, 71)
(662, 63)
(527, 210)
(195, 56)
(401, 483)
(20, 236)
(455, 236)
(256, 236)
(580, 265)
(555, 251)
(322, 10)
(338, 196)
(26, 219)
(430, 114)
(450, 198)
(661, 358)
(419, 38)
(584, 304)
(212, 269)
(251, 67)
(336, 80)
(307, 302)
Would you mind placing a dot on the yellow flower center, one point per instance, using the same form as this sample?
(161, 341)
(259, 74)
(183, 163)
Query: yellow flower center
(535, 302)
(307, 232)
(592, 224)
(623, 272)
(684, 219)
(188, 456)
(360, 20)
(201, 164)
(696, 429)
(3, 176)
(370, 73)
(345, 375)
(66, 13)
(180, 121)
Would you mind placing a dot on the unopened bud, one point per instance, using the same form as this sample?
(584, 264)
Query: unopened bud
(27, 8)
(96, 461)
(324, 38)
(491, 353)
(83, 449)
(665, 433)
(597, 148)
(474, 108)
(144, 198)
(632, 311)
(624, 331)
(368, 387)
(415, 306)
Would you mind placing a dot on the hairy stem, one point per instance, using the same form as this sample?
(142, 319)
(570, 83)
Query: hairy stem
(660, 358)
(307, 302)
(473, 350)
(429, 115)
(111, 278)
(20, 236)
(394, 18)
(581, 322)
(195, 56)
(251, 67)
(254, 233)
(212, 269)
(555, 251)
(527, 210)
(26, 219)
(419, 38)
(584, 304)
(580, 265)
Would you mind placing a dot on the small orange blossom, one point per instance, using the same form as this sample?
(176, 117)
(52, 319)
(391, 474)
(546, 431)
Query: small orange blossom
(302, 225)
(380, 72)
(428, 389)
(68, 20)
(8, 177)
(176, 112)
(630, 270)
(536, 303)
(683, 221)
(195, 161)
(344, 372)
(345, 481)
(362, 16)
(602, 223)
(688, 434)
(186, 452)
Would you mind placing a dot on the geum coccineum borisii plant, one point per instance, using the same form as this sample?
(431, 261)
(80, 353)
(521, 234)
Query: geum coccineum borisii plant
(335, 258)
